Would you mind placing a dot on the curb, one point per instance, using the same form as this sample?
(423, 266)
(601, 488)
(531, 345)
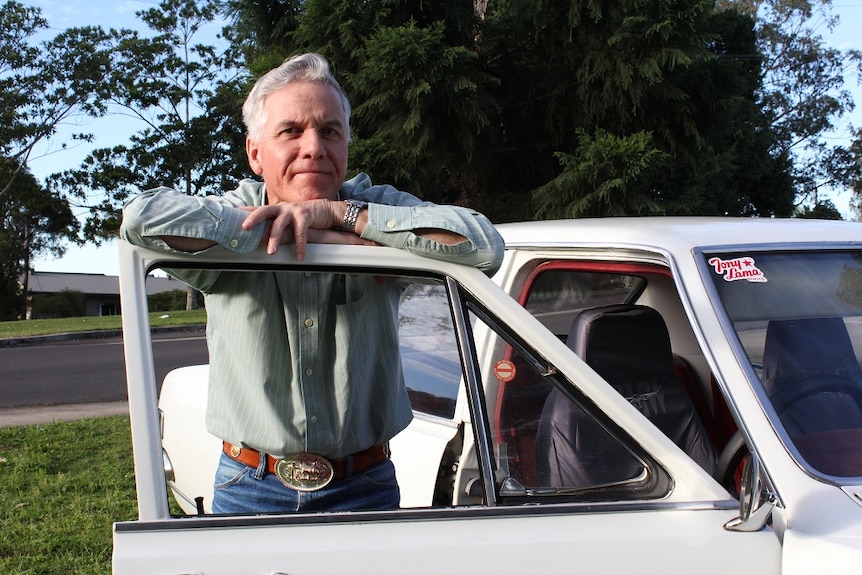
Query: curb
(47, 414)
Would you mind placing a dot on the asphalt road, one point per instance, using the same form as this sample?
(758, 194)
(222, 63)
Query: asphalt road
(85, 371)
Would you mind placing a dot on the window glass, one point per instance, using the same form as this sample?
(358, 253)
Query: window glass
(429, 353)
(798, 317)
(550, 441)
(555, 295)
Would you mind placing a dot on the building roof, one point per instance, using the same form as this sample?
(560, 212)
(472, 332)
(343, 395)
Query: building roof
(94, 284)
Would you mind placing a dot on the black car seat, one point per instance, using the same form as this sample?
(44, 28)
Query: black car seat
(629, 346)
(811, 375)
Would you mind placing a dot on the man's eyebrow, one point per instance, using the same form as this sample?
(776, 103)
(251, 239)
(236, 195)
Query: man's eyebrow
(332, 123)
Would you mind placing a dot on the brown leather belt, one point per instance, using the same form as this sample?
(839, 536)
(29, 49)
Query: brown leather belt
(339, 467)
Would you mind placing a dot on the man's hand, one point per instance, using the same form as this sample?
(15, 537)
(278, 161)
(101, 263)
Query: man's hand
(300, 223)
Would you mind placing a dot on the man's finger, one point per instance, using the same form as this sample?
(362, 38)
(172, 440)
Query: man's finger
(255, 216)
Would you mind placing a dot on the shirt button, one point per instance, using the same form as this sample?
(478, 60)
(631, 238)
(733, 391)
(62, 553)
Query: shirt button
(309, 322)
(390, 224)
(309, 371)
(234, 243)
(313, 419)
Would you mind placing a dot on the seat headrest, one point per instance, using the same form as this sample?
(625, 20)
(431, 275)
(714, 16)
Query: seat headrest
(623, 343)
(800, 348)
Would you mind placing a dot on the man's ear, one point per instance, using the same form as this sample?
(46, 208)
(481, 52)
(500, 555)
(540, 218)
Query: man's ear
(253, 151)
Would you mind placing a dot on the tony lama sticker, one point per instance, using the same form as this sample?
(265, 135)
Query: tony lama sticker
(737, 269)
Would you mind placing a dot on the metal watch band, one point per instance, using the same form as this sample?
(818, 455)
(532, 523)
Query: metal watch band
(351, 214)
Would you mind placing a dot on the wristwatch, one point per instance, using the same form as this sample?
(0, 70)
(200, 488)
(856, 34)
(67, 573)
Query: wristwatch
(351, 213)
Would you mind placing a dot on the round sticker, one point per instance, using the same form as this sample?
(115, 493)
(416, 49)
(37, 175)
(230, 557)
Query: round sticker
(504, 370)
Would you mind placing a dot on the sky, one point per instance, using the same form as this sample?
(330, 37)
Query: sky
(113, 130)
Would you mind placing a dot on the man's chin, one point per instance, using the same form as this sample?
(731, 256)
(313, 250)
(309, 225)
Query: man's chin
(308, 192)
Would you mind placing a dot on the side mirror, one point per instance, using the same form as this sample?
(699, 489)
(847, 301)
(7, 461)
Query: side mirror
(756, 502)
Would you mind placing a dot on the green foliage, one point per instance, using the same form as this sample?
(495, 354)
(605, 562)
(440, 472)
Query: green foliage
(482, 104)
(432, 113)
(61, 488)
(803, 94)
(607, 177)
(824, 210)
(493, 105)
(187, 97)
(167, 301)
(32, 221)
(67, 303)
(46, 85)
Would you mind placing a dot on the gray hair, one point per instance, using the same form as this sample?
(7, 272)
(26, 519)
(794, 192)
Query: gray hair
(308, 67)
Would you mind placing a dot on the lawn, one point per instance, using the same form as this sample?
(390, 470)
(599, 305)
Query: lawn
(61, 488)
(34, 327)
(63, 485)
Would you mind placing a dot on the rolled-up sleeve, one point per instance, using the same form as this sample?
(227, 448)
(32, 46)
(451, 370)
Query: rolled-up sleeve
(153, 214)
(395, 226)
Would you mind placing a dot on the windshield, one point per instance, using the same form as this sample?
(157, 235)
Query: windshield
(798, 316)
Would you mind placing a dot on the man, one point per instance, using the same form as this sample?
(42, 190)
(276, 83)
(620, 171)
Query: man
(305, 380)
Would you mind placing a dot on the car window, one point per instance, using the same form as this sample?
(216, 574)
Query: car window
(429, 353)
(554, 293)
(425, 357)
(604, 312)
(550, 441)
(798, 318)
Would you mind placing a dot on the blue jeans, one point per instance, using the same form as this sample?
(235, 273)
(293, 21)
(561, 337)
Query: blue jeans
(242, 489)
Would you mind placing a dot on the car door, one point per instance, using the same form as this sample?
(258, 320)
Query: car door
(667, 515)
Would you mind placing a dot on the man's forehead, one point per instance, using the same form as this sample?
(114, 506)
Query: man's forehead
(303, 102)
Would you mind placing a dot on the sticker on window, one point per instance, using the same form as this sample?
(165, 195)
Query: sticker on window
(505, 370)
(737, 269)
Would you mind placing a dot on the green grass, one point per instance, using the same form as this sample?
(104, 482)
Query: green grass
(61, 488)
(33, 327)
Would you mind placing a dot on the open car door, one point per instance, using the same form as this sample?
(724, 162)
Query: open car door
(466, 504)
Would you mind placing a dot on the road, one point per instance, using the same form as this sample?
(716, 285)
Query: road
(86, 370)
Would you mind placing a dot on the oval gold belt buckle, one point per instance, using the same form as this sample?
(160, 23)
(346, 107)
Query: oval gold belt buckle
(304, 471)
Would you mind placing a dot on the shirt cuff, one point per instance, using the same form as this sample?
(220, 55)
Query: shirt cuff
(389, 225)
(231, 235)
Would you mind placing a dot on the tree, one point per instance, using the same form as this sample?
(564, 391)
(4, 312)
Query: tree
(823, 210)
(186, 96)
(32, 222)
(804, 95)
(47, 84)
(497, 104)
(421, 106)
(43, 86)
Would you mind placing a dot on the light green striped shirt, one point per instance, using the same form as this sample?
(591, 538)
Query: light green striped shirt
(301, 361)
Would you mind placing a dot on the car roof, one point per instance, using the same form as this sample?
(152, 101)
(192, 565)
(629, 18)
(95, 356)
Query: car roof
(677, 233)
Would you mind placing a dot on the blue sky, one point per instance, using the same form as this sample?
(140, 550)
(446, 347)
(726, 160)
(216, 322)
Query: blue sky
(111, 131)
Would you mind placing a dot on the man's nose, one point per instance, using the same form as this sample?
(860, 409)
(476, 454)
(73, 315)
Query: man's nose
(312, 144)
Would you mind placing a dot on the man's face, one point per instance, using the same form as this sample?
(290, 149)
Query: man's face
(302, 150)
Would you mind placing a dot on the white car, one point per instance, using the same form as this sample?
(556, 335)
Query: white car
(637, 395)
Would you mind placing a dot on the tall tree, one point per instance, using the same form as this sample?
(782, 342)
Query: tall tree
(32, 222)
(495, 104)
(42, 85)
(45, 84)
(804, 94)
(186, 95)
